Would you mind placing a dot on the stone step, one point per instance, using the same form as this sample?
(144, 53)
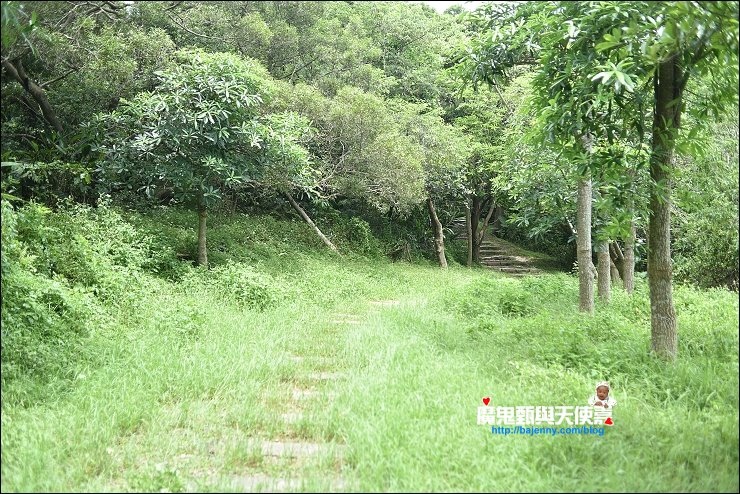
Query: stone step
(505, 259)
(346, 321)
(297, 449)
(516, 271)
(325, 376)
(292, 417)
(386, 303)
(505, 262)
(260, 482)
(302, 394)
(263, 483)
(516, 267)
(506, 267)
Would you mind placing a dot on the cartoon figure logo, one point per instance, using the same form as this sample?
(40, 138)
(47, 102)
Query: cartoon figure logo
(602, 403)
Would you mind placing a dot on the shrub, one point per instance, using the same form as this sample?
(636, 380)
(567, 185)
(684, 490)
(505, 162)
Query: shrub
(44, 318)
(237, 283)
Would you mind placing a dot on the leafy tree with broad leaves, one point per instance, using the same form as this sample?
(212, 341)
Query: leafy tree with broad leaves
(197, 133)
(665, 44)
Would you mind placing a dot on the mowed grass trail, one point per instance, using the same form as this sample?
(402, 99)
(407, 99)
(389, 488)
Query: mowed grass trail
(367, 375)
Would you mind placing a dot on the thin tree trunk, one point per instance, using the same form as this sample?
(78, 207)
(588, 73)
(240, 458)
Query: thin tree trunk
(469, 226)
(616, 277)
(617, 260)
(308, 220)
(202, 250)
(663, 322)
(474, 224)
(482, 233)
(439, 238)
(17, 72)
(604, 270)
(583, 225)
(629, 260)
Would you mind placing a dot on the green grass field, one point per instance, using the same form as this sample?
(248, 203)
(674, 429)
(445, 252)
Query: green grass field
(372, 372)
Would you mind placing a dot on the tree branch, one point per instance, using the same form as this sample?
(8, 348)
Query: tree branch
(173, 6)
(182, 26)
(617, 250)
(23, 101)
(17, 72)
(70, 71)
(482, 232)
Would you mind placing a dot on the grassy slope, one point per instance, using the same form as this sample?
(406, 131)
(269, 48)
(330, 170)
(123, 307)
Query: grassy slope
(189, 377)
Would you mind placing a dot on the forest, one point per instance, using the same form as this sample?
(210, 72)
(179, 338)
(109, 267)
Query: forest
(298, 246)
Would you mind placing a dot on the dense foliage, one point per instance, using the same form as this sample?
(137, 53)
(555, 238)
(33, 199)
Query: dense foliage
(172, 173)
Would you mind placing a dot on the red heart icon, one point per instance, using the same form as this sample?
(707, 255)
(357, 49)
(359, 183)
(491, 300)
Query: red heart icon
(608, 421)
(486, 400)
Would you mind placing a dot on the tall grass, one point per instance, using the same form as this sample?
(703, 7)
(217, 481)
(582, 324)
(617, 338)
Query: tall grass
(184, 368)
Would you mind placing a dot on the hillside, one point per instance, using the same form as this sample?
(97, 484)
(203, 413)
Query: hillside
(286, 367)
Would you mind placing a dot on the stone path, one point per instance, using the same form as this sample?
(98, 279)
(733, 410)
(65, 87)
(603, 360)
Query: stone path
(498, 255)
(288, 456)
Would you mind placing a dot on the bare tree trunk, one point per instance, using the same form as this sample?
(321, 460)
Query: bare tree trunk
(202, 250)
(617, 258)
(439, 238)
(469, 226)
(308, 220)
(663, 322)
(585, 264)
(616, 277)
(474, 224)
(17, 72)
(482, 232)
(604, 270)
(629, 260)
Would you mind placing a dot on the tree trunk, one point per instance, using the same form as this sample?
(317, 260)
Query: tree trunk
(469, 226)
(585, 264)
(616, 277)
(617, 261)
(202, 250)
(665, 122)
(484, 227)
(474, 224)
(604, 270)
(628, 270)
(439, 238)
(17, 72)
(308, 220)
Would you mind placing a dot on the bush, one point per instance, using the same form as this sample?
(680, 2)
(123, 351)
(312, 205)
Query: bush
(237, 283)
(706, 246)
(87, 245)
(44, 318)
(62, 272)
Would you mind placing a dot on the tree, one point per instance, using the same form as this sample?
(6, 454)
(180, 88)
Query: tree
(486, 116)
(445, 151)
(360, 149)
(198, 132)
(705, 218)
(286, 164)
(667, 43)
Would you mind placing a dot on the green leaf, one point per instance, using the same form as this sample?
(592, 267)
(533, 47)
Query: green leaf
(605, 45)
(604, 76)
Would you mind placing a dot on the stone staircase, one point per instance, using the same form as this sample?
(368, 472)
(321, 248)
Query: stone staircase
(497, 254)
